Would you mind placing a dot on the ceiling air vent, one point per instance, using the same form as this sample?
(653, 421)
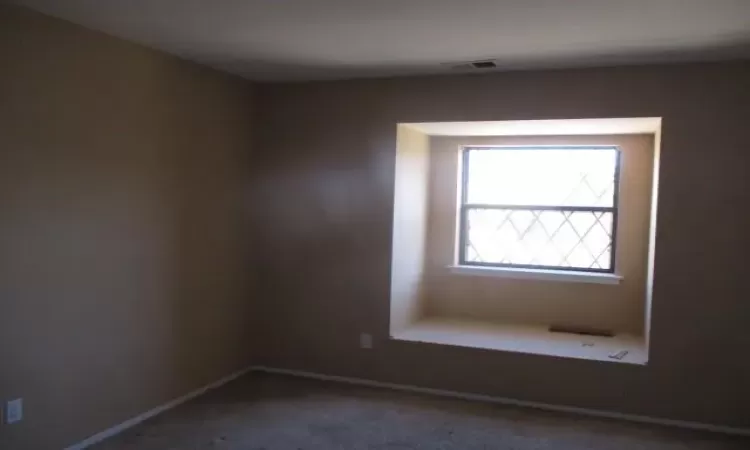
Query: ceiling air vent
(473, 65)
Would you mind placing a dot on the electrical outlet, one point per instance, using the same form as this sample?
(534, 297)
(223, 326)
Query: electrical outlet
(14, 411)
(365, 340)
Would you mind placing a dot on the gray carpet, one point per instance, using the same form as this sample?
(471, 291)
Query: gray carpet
(271, 412)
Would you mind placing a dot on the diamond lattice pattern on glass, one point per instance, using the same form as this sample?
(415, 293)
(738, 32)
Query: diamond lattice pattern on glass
(575, 239)
(542, 176)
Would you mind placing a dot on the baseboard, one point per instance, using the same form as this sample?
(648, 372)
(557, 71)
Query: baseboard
(109, 432)
(509, 401)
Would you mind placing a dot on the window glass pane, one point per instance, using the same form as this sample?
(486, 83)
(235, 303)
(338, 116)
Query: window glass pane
(563, 239)
(542, 176)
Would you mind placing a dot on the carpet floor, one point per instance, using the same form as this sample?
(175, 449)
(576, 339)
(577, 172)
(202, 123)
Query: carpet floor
(273, 412)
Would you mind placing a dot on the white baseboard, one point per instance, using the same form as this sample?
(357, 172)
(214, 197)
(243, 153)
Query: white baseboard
(109, 432)
(509, 401)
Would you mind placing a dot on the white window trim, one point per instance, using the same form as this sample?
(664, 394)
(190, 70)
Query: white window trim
(537, 274)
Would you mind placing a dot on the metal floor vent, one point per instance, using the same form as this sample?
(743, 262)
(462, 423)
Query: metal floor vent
(473, 65)
(585, 331)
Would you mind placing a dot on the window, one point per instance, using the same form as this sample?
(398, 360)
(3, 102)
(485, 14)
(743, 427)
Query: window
(546, 207)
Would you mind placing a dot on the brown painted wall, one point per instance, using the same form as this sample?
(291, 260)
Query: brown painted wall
(323, 209)
(123, 275)
(616, 307)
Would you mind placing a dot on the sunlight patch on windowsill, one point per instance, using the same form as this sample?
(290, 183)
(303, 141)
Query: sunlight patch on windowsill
(529, 339)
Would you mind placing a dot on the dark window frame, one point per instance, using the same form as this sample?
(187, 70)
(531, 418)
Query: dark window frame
(465, 207)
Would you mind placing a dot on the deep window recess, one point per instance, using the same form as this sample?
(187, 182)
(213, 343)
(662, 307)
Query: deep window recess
(540, 207)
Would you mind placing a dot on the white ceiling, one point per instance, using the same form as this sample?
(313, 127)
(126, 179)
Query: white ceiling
(332, 39)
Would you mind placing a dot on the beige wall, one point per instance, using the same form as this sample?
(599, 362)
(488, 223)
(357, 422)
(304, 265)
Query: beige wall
(616, 307)
(123, 274)
(325, 272)
(409, 226)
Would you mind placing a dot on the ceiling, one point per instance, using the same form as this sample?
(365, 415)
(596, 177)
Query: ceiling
(283, 40)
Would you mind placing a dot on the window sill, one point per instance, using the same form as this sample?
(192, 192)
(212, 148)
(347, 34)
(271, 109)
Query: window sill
(537, 274)
(529, 339)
